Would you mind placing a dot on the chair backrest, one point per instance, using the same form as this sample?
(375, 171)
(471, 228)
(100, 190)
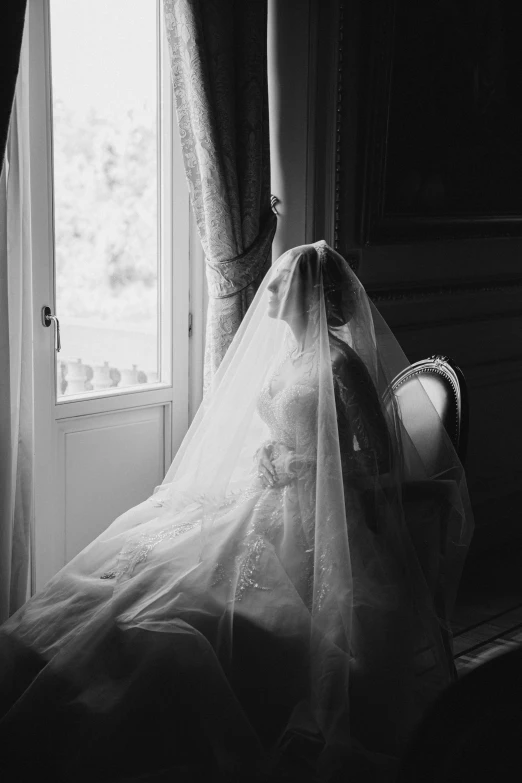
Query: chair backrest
(445, 385)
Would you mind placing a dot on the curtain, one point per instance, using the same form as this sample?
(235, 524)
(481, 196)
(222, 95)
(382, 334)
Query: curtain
(16, 376)
(218, 55)
(12, 17)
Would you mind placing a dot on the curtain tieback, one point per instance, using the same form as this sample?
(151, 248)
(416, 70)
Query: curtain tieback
(226, 278)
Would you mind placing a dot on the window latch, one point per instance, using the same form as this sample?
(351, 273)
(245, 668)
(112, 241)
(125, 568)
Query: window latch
(47, 319)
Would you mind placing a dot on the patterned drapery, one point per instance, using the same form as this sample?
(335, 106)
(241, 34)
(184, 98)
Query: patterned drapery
(218, 54)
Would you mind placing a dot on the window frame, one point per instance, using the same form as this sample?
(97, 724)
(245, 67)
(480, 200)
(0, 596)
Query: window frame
(181, 284)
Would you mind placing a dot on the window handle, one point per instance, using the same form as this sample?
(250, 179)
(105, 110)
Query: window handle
(47, 319)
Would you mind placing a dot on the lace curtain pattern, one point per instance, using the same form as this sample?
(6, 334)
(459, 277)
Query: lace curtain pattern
(218, 55)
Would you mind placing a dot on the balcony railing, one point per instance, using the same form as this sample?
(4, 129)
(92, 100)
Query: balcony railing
(77, 377)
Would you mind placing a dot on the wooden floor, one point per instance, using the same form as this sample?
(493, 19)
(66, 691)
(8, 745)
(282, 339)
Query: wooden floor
(488, 614)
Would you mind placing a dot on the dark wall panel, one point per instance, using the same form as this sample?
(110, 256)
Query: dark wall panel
(447, 281)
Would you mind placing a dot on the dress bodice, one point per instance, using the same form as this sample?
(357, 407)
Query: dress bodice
(289, 413)
(292, 418)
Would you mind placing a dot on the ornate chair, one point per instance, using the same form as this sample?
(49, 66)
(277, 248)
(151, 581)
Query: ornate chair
(424, 501)
(445, 385)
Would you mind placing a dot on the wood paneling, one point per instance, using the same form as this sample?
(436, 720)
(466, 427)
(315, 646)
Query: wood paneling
(482, 331)
(459, 297)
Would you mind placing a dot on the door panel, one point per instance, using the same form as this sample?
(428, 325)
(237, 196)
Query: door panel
(130, 462)
(102, 465)
(106, 427)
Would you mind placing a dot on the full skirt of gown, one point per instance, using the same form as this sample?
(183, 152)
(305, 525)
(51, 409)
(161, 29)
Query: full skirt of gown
(140, 657)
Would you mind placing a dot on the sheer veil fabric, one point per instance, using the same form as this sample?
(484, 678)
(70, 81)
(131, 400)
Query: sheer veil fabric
(266, 609)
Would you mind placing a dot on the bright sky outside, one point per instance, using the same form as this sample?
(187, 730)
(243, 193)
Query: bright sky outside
(103, 53)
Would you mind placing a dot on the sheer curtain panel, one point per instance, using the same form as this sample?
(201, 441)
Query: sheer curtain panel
(16, 361)
(218, 53)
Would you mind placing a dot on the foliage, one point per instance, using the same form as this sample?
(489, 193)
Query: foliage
(105, 183)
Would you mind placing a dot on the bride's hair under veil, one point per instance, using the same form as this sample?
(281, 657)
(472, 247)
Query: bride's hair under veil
(299, 604)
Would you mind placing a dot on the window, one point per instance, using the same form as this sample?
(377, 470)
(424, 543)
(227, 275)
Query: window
(106, 123)
(110, 232)
(116, 252)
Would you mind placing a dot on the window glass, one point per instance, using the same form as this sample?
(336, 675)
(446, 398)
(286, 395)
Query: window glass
(104, 65)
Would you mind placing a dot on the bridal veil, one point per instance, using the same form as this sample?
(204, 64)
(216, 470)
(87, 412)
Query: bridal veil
(298, 610)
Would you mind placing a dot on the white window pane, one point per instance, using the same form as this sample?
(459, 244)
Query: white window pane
(104, 62)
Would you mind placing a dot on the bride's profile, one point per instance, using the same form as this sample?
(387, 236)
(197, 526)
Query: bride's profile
(264, 613)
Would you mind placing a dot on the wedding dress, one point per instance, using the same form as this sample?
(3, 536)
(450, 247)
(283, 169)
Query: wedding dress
(265, 612)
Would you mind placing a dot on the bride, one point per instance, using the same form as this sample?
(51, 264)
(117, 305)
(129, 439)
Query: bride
(264, 614)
